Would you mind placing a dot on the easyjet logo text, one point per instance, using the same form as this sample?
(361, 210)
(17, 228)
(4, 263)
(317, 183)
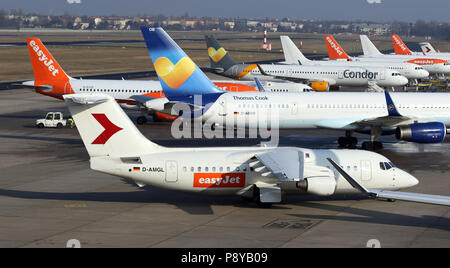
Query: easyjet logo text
(427, 61)
(334, 46)
(219, 180)
(43, 58)
(399, 43)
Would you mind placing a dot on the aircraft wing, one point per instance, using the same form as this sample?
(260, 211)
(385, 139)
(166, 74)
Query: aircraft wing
(388, 121)
(141, 98)
(382, 194)
(284, 163)
(412, 197)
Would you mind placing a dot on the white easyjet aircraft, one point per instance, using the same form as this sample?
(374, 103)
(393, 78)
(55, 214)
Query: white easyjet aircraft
(432, 64)
(51, 80)
(400, 48)
(116, 147)
(416, 117)
(293, 55)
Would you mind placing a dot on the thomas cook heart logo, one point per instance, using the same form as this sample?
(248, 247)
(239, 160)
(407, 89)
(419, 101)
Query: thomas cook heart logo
(216, 55)
(174, 75)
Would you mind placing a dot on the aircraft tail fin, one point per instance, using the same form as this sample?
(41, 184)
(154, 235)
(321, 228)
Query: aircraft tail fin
(45, 67)
(400, 48)
(105, 128)
(218, 56)
(335, 51)
(427, 48)
(178, 74)
(368, 47)
(292, 54)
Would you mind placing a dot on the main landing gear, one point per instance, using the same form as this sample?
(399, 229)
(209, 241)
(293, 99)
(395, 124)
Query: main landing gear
(348, 141)
(141, 120)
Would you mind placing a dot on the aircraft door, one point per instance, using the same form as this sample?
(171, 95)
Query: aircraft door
(294, 108)
(341, 75)
(366, 170)
(171, 171)
(382, 75)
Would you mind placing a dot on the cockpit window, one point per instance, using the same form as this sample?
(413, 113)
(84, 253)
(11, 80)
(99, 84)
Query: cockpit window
(382, 166)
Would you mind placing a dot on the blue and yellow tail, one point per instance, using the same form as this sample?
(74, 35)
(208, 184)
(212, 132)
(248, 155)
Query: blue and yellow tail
(178, 74)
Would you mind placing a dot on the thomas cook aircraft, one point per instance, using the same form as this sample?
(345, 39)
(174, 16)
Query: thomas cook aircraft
(415, 117)
(116, 147)
(51, 80)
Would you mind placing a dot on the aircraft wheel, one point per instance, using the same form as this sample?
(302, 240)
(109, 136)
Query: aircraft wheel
(141, 120)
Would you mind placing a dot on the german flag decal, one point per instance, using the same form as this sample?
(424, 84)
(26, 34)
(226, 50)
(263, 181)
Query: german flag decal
(136, 169)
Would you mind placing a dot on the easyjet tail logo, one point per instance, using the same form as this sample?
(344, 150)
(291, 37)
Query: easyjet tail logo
(219, 180)
(333, 45)
(110, 129)
(44, 58)
(399, 44)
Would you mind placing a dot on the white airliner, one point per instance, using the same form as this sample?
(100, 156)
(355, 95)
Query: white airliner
(432, 64)
(116, 147)
(320, 78)
(293, 55)
(429, 50)
(400, 48)
(51, 80)
(416, 117)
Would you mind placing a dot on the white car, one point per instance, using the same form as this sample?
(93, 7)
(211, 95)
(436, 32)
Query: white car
(52, 119)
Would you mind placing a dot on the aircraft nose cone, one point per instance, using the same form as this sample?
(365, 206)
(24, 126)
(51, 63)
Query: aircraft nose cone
(403, 80)
(424, 73)
(407, 180)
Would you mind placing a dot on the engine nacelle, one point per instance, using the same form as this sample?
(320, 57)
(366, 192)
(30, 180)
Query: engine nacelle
(132, 107)
(156, 104)
(433, 132)
(323, 186)
(321, 86)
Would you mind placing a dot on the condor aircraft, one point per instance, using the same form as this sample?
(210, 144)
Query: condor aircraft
(293, 55)
(116, 147)
(320, 78)
(51, 80)
(416, 117)
(432, 64)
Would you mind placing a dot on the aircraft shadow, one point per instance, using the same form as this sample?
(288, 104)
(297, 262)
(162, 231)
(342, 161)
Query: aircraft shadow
(377, 217)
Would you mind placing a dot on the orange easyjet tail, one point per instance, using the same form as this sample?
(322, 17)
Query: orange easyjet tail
(399, 47)
(49, 78)
(45, 67)
(335, 51)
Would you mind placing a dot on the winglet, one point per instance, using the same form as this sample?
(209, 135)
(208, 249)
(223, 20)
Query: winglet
(259, 85)
(400, 48)
(392, 110)
(262, 70)
(335, 51)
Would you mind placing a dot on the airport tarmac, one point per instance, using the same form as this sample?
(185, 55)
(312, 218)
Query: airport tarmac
(49, 195)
